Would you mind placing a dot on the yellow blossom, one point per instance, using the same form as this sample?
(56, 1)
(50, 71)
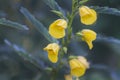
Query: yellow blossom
(68, 77)
(88, 16)
(88, 36)
(77, 67)
(52, 50)
(57, 28)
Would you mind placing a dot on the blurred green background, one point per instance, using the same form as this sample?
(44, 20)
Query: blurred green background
(104, 57)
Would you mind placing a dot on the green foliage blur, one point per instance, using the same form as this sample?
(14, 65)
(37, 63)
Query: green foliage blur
(104, 57)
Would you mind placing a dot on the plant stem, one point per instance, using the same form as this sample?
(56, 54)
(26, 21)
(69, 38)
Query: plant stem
(70, 20)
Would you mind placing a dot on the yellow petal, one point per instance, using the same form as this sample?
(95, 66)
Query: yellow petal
(52, 57)
(74, 63)
(52, 47)
(88, 35)
(77, 68)
(78, 71)
(57, 28)
(56, 32)
(89, 44)
(88, 16)
(61, 23)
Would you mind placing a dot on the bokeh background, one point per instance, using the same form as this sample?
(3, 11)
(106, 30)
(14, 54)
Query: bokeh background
(104, 57)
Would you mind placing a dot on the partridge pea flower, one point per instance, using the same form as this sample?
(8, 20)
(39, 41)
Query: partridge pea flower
(88, 16)
(88, 36)
(78, 66)
(52, 50)
(57, 28)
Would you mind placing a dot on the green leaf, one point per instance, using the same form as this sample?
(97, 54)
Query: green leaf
(21, 52)
(58, 13)
(12, 24)
(107, 10)
(38, 25)
(65, 50)
(82, 2)
(112, 42)
(54, 5)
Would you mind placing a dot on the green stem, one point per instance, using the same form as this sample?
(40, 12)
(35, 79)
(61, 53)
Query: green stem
(54, 74)
(60, 58)
(70, 27)
(70, 20)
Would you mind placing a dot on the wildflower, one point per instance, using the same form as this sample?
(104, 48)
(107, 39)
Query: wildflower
(78, 66)
(88, 36)
(88, 16)
(68, 77)
(52, 50)
(57, 28)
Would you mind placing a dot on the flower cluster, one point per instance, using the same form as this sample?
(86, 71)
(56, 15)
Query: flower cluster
(57, 30)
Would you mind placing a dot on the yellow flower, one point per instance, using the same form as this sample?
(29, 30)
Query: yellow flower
(68, 77)
(52, 50)
(78, 66)
(88, 36)
(88, 16)
(57, 28)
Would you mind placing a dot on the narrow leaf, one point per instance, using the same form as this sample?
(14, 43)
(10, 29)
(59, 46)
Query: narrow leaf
(25, 55)
(38, 25)
(12, 24)
(58, 13)
(108, 39)
(54, 5)
(82, 2)
(107, 10)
